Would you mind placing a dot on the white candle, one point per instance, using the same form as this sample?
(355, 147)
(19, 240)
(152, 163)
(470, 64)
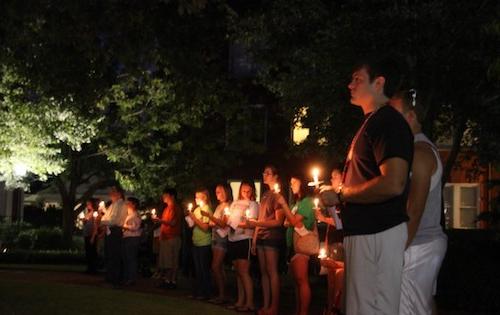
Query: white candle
(247, 213)
(102, 205)
(315, 173)
(316, 203)
(226, 211)
(276, 188)
(81, 216)
(95, 214)
(190, 207)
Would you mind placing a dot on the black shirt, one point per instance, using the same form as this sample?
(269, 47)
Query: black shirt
(385, 134)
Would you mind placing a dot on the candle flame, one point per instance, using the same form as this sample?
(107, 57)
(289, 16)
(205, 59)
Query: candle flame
(322, 253)
(95, 214)
(81, 215)
(190, 206)
(102, 204)
(316, 202)
(315, 172)
(153, 212)
(226, 211)
(247, 213)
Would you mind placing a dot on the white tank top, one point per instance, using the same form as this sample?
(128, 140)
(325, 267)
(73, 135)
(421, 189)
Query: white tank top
(430, 227)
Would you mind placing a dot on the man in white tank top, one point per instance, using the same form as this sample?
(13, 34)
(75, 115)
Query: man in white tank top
(426, 245)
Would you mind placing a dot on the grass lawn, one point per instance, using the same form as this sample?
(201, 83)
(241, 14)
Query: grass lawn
(32, 297)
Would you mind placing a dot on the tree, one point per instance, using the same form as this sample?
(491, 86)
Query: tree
(306, 50)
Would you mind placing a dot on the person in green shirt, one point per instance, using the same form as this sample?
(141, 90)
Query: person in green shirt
(299, 263)
(202, 239)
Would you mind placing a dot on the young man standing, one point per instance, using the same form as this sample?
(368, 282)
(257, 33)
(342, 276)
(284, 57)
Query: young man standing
(426, 245)
(374, 190)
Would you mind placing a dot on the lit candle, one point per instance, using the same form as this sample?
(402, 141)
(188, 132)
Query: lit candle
(153, 213)
(81, 216)
(190, 207)
(276, 188)
(201, 204)
(322, 253)
(247, 213)
(316, 203)
(226, 211)
(95, 214)
(102, 205)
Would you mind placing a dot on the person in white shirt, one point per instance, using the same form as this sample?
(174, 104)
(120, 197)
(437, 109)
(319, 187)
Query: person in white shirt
(132, 232)
(240, 240)
(113, 220)
(426, 245)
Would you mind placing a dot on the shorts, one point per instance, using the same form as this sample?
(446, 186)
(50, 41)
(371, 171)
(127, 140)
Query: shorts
(219, 244)
(169, 253)
(239, 249)
(274, 244)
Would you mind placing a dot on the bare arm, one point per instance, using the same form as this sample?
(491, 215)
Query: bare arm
(278, 221)
(424, 165)
(202, 225)
(389, 184)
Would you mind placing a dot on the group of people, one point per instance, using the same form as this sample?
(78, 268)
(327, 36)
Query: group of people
(384, 209)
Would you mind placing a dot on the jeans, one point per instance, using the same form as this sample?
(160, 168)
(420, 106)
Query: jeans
(201, 259)
(91, 254)
(130, 249)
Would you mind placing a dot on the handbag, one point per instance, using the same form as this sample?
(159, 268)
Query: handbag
(307, 244)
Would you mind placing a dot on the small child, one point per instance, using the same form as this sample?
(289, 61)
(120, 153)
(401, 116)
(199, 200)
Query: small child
(131, 239)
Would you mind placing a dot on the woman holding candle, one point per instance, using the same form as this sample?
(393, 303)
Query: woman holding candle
(131, 239)
(299, 262)
(240, 239)
(334, 262)
(269, 239)
(202, 239)
(219, 238)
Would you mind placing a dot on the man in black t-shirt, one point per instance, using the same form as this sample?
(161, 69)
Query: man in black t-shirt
(374, 190)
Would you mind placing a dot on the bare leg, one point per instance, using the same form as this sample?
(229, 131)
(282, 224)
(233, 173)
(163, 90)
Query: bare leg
(300, 266)
(217, 270)
(266, 285)
(242, 267)
(272, 257)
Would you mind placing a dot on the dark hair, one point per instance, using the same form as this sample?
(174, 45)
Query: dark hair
(249, 183)
(134, 201)
(304, 190)
(227, 191)
(388, 67)
(119, 190)
(170, 191)
(410, 102)
(94, 202)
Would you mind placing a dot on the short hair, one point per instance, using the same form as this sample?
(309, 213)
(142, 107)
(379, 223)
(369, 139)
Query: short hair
(227, 191)
(170, 191)
(388, 67)
(249, 183)
(410, 102)
(134, 201)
